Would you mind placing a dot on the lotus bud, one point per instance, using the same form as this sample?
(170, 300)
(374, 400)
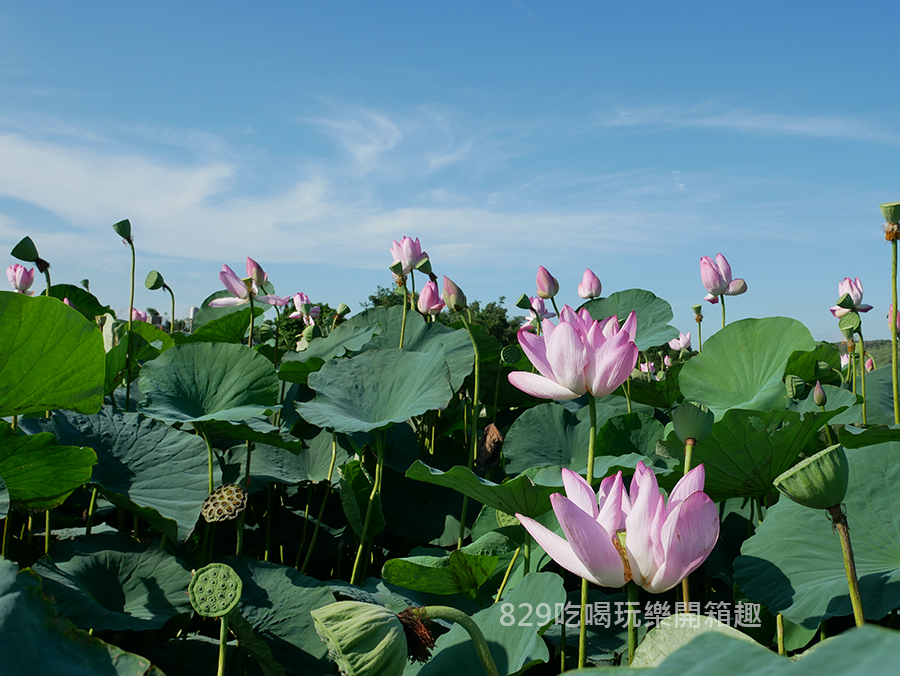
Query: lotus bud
(819, 395)
(692, 421)
(363, 638)
(817, 482)
(547, 286)
(123, 229)
(154, 280)
(454, 298)
(590, 286)
(215, 590)
(66, 301)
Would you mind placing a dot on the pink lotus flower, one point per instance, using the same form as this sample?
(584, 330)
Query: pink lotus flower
(20, 278)
(66, 301)
(408, 253)
(242, 290)
(845, 360)
(538, 312)
(547, 286)
(590, 286)
(305, 309)
(613, 537)
(137, 315)
(430, 302)
(897, 318)
(453, 296)
(855, 290)
(682, 342)
(870, 364)
(579, 355)
(648, 367)
(716, 276)
(667, 361)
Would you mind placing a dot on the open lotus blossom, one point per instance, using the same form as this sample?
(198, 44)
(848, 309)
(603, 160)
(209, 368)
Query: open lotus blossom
(242, 290)
(716, 276)
(590, 286)
(20, 278)
(137, 315)
(855, 290)
(578, 355)
(306, 311)
(648, 367)
(612, 536)
(547, 286)
(408, 252)
(845, 360)
(682, 342)
(538, 312)
(430, 302)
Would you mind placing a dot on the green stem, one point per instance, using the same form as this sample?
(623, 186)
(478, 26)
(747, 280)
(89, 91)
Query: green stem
(252, 317)
(376, 488)
(6, 533)
(555, 308)
(90, 515)
(322, 506)
(893, 318)
(209, 455)
(861, 349)
(632, 615)
(827, 429)
(270, 502)
(592, 439)
(223, 644)
(699, 338)
(839, 519)
(779, 631)
(688, 450)
(474, 631)
(128, 355)
(722, 301)
(403, 323)
(474, 436)
(171, 293)
(509, 568)
(628, 393)
(47, 532)
(47, 277)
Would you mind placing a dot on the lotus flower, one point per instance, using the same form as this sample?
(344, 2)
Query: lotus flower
(648, 367)
(579, 355)
(716, 276)
(453, 296)
(682, 342)
(242, 290)
(538, 312)
(305, 309)
(855, 290)
(408, 253)
(870, 364)
(20, 278)
(590, 286)
(430, 302)
(845, 360)
(137, 315)
(667, 361)
(547, 286)
(613, 537)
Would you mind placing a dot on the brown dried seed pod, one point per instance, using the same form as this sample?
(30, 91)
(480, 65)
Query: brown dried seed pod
(224, 503)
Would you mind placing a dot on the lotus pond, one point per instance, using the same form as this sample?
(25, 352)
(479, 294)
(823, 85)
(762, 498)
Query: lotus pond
(401, 490)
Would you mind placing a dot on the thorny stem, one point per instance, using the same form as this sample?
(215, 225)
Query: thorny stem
(223, 644)
(779, 628)
(839, 520)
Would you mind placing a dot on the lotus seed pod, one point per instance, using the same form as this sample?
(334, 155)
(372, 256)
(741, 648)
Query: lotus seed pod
(692, 421)
(794, 385)
(343, 310)
(311, 331)
(511, 354)
(424, 266)
(25, 250)
(154, 280)
(123, 229)
(224, 503)
(818, 482)
(891, 212)
(698, 309)
(849, 324)
(215, 590)
(524, 302)
(362, 638)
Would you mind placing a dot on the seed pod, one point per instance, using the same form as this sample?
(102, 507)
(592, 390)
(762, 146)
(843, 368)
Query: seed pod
(224, 503)
(818, 482)
(692, 421)
(215, 590)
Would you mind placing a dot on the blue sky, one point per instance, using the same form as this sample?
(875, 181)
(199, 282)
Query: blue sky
(631, 138)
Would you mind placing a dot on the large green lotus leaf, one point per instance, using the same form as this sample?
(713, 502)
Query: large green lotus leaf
(50, 357)
(549, 434)
(112, 582)
(855, 437)
(296, 366)
(229, 328)
(794, 565)
(144, 466)
(207, 314)
(435, 518)
(458, 572)
(85, 302)
(629, 433)
(676, 631)
(420, 336)
(520, 494)
(742, 365)
(747, 450)
(663, 393)
(276, 601)
(514, 647)
(822, 364)
(879, 396)
(208, 381)
(258, 430)
(36, 641)
(376, 389)
(39, 473)
(154, 336)
(653, 315)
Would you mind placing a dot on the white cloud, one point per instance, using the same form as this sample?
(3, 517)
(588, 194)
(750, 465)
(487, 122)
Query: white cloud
(438, 161)
(366, 138)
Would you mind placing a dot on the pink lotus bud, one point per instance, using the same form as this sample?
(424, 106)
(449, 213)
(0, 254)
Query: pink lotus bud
(896, 319)
(590, 286)
(137, 315)
(430, 302)
(255, 272)
(716, 277)
(845, 360)
(66, 301)
(453, 296)
(667, 361)
(408, 253)
(870, 364)
(547, 286)
(20, 278)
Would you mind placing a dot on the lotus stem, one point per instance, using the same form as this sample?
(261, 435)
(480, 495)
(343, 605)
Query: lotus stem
(509, 568)
(309, 496)
(893, 318)
(722, 301)
(861, 349)
(827, 429)
(128, 355)
(688, 450)
(223, 644)
(699, 338)
(171, 293)
(252, 317)
(269, 506)
(839, 519)
(312, 543)
(592, 440)
(376, 488)
(209, 455)
(47, 532)
(403, 323)
(47, 277)
(632, 614)
(6, 532)
(779, 632)
(474, 631)
(476, 394)
(90, 515)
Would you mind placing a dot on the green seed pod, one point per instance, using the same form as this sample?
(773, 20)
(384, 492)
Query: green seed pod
(698, 309)
(818, 482)
(849, 324)
(154, 280)
(364, 639)
(891, 212)
(692, 421)
(343, 310)
(25, 250)
(123, 229)
(511, 354)
(424, 266)
(524, 302)
(215, 590)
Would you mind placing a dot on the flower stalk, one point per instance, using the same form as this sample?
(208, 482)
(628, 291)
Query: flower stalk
(376, 489)
(476, 394)
(839, 519)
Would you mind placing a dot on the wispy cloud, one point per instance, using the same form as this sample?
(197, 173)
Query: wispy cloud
(366, 137)
(716, 116)
(438, 161)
